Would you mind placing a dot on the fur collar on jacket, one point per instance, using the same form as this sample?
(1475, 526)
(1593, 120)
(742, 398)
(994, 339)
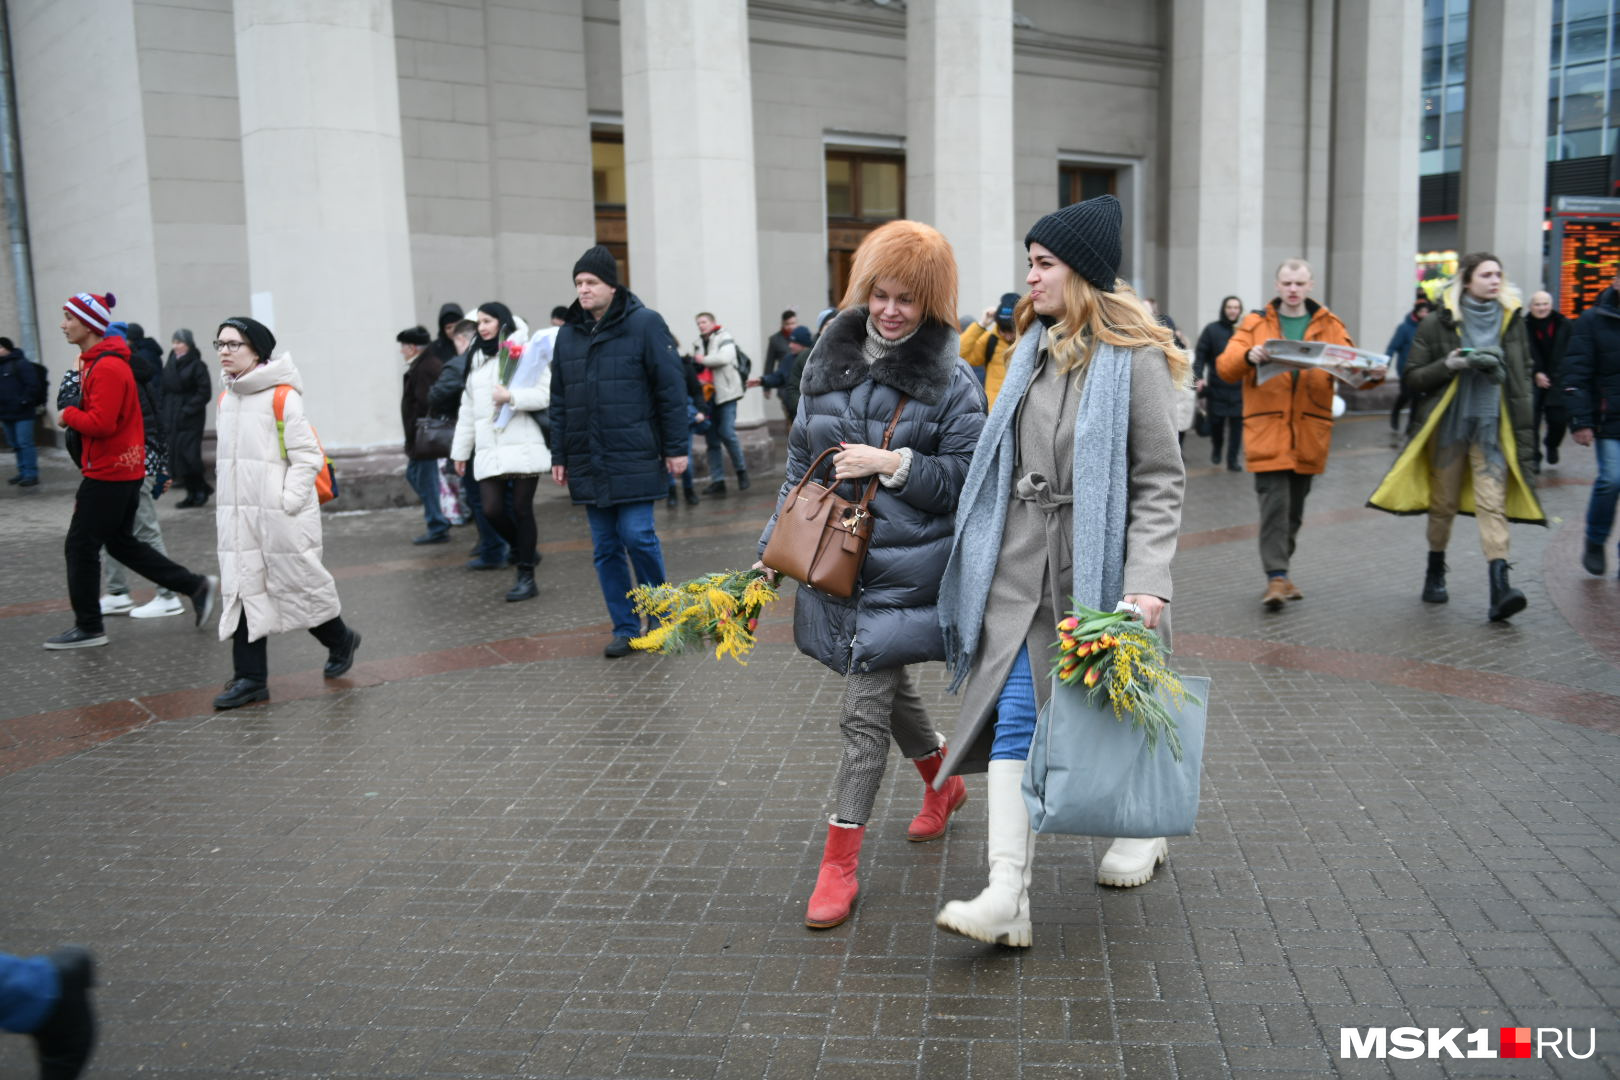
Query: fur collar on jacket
(921, 368)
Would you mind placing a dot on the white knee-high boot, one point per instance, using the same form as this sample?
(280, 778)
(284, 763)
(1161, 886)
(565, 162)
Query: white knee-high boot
(1000, 914)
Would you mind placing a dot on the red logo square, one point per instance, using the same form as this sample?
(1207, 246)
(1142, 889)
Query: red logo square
(1514, 1042)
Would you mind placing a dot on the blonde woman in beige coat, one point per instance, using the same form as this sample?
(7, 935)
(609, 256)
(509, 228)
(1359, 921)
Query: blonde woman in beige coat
(271, 576)
(1075, 490)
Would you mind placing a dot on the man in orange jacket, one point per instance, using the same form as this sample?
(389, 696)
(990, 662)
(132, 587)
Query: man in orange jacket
(1287, 421)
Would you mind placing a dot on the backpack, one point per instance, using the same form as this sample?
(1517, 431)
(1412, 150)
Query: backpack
(326, 484)
(44, 375)
(744, 365)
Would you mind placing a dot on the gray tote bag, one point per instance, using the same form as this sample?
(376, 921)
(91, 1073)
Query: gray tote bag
(1092, 775)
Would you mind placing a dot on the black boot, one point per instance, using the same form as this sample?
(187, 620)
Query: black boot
(1592, 559)
(692, 496)
(239, 692)
(672, 499)
(1506, 601)
(525, 589)
(742, 479)
(1434, 581)
(341, 659)
(68, 1035)
(716, 488)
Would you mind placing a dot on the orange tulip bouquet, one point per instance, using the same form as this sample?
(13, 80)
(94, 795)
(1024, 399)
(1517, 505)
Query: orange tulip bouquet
(1103, 652)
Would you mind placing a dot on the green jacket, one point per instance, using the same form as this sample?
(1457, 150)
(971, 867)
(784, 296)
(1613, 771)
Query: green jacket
(1426, 373)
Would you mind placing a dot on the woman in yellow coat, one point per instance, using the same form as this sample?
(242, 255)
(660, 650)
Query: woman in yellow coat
(1470, 362)
(988, 343)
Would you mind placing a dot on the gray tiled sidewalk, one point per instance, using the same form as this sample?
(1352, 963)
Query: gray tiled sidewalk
(576, 868)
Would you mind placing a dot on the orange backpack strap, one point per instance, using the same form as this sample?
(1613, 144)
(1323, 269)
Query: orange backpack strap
(279, 404)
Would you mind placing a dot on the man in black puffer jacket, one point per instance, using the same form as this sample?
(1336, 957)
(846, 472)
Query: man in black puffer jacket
(1592, 398)
(618, 429)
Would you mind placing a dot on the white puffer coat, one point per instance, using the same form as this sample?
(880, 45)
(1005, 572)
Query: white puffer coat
(520, 449)
(268, 517)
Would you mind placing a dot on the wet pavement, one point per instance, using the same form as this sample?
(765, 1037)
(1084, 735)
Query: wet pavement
(491, 852)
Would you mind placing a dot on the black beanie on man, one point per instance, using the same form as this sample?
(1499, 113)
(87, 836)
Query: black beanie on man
(1085, 236)
(599, 261)
(255, 333)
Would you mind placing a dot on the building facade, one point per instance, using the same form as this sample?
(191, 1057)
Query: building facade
(340, 169)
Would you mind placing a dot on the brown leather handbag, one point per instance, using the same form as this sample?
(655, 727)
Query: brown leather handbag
(821, 538)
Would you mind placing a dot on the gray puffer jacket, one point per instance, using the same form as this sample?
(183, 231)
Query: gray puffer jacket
(891, 620)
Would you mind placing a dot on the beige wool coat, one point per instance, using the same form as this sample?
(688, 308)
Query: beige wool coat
(1035, 568)
(268, 518)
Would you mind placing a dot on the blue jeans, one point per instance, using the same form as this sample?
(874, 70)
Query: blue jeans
(20, 434)
(491, 548)
(1015, 712)
(1605, 492)
(423, 476)
(723, 437)
(29, 989)
(621, 537)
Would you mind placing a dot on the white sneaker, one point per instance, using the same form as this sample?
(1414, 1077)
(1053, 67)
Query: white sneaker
(1131, 862)
(158, 607)
(116, 603)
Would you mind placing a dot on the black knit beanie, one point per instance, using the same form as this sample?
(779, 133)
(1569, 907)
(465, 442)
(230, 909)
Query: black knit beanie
(1085, 236)
(599, 261)
(255, 333)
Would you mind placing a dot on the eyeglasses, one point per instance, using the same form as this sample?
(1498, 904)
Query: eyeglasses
(229, 346)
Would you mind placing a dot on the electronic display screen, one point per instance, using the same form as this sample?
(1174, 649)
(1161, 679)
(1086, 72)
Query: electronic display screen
(1588, 262)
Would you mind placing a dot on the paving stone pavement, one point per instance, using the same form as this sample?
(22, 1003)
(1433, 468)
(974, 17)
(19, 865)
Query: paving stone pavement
(494, 853)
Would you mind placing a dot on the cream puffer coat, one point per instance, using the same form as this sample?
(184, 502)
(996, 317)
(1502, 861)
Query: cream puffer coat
(520, 449)
(268, 518)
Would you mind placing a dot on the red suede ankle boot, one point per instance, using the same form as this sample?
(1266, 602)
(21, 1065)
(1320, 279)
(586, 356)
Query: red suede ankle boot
(836, 886)
(938, 806)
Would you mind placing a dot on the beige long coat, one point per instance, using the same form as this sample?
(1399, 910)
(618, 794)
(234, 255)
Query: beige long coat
(1035, 568)
(268, 518)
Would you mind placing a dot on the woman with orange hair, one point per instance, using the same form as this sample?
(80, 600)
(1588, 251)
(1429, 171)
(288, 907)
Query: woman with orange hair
(889, 357)
(1085, 414)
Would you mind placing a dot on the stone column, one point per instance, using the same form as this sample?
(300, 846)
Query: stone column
(323, 176)
(1504, 168)
(959, 138)
(1217, 167)
(1374, 178)
(540, 154)
(689, 172)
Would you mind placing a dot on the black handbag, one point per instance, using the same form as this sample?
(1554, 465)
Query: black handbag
(434, 434)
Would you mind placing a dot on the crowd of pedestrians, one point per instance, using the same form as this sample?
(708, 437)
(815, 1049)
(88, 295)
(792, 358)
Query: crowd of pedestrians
(975, 449)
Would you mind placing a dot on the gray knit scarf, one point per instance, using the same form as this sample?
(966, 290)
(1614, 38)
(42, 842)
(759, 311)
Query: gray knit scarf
(1472, 417)
(1101, 464)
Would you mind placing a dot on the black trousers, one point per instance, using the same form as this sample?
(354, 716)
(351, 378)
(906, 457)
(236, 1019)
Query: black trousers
(104, 517)
(251, 659)
(1227, 429)
(1549, 410)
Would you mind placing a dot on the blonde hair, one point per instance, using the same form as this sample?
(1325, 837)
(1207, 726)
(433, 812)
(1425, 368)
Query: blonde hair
(1294, 262)
(914, 254)
(1117, 318)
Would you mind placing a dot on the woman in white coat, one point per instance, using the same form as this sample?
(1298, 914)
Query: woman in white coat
(506, 446)
(269, 520)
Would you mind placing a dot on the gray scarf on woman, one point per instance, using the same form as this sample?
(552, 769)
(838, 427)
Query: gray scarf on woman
(1472, 417)
(1101, 464)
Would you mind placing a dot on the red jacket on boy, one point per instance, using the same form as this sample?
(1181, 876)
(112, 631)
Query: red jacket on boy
(109, 414)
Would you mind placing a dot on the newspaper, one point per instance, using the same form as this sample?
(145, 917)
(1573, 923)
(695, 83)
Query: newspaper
(1356, 368)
